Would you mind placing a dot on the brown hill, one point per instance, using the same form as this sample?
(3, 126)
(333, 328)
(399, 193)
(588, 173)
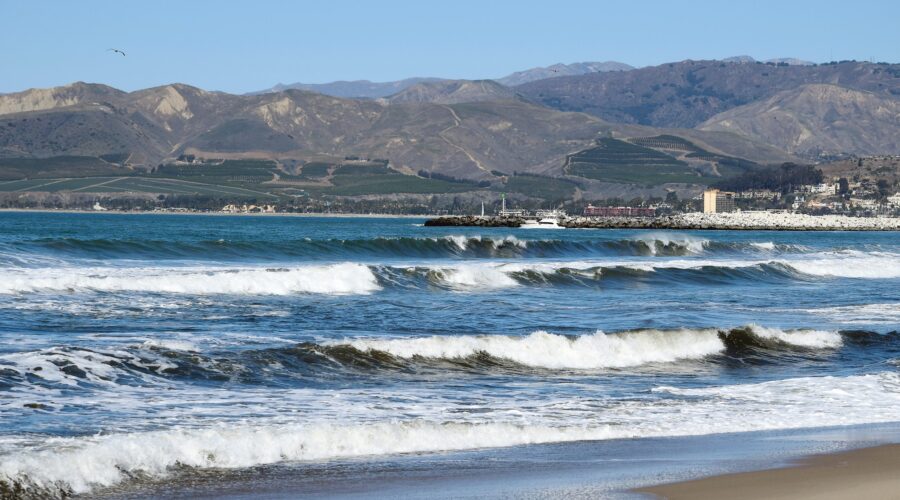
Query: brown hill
(485, 127)
(818, 118)
(687, 93)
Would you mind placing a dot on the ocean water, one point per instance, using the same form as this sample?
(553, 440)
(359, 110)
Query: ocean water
(134, 346)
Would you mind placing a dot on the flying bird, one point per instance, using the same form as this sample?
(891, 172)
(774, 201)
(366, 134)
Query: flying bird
(116, 50)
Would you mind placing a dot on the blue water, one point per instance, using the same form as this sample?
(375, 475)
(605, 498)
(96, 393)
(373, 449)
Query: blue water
(137, 344)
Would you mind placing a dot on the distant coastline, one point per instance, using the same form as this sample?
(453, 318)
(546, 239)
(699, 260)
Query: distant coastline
(218, 214)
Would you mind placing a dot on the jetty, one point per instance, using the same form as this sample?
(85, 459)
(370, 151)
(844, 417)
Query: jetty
(734, 221)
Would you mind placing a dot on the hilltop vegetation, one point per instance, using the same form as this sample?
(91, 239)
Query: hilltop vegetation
(780, 179)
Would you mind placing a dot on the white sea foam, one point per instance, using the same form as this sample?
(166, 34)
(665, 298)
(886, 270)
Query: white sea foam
(462, 242)
(171, 344)
(498, 275)
(765, 245)
(476, 277)
(864, 314)
(850, 264)
(817, 339)
(594, 351)
(51, 365)
(691, 244)
(347, 278)
(85, 463)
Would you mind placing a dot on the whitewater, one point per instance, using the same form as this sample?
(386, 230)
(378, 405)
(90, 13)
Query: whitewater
(143, 348)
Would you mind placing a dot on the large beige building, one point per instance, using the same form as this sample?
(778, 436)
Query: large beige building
(715, 201)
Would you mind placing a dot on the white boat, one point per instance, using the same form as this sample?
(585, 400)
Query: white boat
(544, 223)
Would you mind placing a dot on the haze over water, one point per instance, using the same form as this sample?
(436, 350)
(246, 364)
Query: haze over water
(135, 344)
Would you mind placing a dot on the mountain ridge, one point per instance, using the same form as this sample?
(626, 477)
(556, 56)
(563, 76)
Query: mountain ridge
(466, 135)
(817, 118)
(685, 94)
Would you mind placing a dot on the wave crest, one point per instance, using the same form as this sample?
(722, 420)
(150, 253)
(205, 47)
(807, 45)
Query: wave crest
(336, 279)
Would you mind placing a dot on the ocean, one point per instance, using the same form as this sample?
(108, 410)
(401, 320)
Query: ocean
(141, 349)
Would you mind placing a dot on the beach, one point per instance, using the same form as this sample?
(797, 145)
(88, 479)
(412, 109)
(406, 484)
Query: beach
(865, 473)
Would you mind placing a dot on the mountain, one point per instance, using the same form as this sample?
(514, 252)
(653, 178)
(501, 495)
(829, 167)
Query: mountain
(455, 92)
(463, 129)
(373, 90)
(790, 61)
(686, 94)
(351, 89)
(818, 118)
(556, 70)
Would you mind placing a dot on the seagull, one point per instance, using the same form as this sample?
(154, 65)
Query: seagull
(116, 50)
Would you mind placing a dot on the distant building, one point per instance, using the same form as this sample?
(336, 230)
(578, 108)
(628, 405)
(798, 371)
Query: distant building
(592, 211)
(715, 201)
(824, 188)
(757, 194)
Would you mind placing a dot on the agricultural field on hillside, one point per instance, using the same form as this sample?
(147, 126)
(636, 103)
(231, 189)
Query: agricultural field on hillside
(57, 167)
(541, 187)
(639, 162)
(393, 183)
(132, 184)
(315, 170)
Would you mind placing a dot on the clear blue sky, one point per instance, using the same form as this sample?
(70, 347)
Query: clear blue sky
(241, 46)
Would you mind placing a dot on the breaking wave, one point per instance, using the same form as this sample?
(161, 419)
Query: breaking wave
(157, 361)
(336, 279)
(358, 278)
(599, 350)
(454, 246)
(107, 460)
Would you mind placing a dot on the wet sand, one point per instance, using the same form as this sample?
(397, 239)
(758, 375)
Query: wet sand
(865, 473)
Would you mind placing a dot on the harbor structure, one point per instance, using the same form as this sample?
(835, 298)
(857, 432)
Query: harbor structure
(510, 212)
(592, 211)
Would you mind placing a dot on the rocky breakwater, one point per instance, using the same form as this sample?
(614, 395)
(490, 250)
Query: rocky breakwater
(738, 221)
(755, 221)
(475, 221)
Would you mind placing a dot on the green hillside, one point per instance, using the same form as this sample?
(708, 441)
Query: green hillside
(613, 160)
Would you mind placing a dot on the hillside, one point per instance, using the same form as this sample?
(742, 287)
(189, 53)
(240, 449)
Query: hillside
(686, 94)
(817, 118)
(463, 128)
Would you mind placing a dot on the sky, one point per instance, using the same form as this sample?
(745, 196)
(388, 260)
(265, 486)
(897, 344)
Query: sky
(243, 46)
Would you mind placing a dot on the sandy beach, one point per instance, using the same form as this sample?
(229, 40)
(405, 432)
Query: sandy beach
(864, 473)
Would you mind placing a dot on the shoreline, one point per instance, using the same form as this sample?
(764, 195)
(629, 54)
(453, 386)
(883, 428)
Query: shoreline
(618, 469)
(872, 472)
